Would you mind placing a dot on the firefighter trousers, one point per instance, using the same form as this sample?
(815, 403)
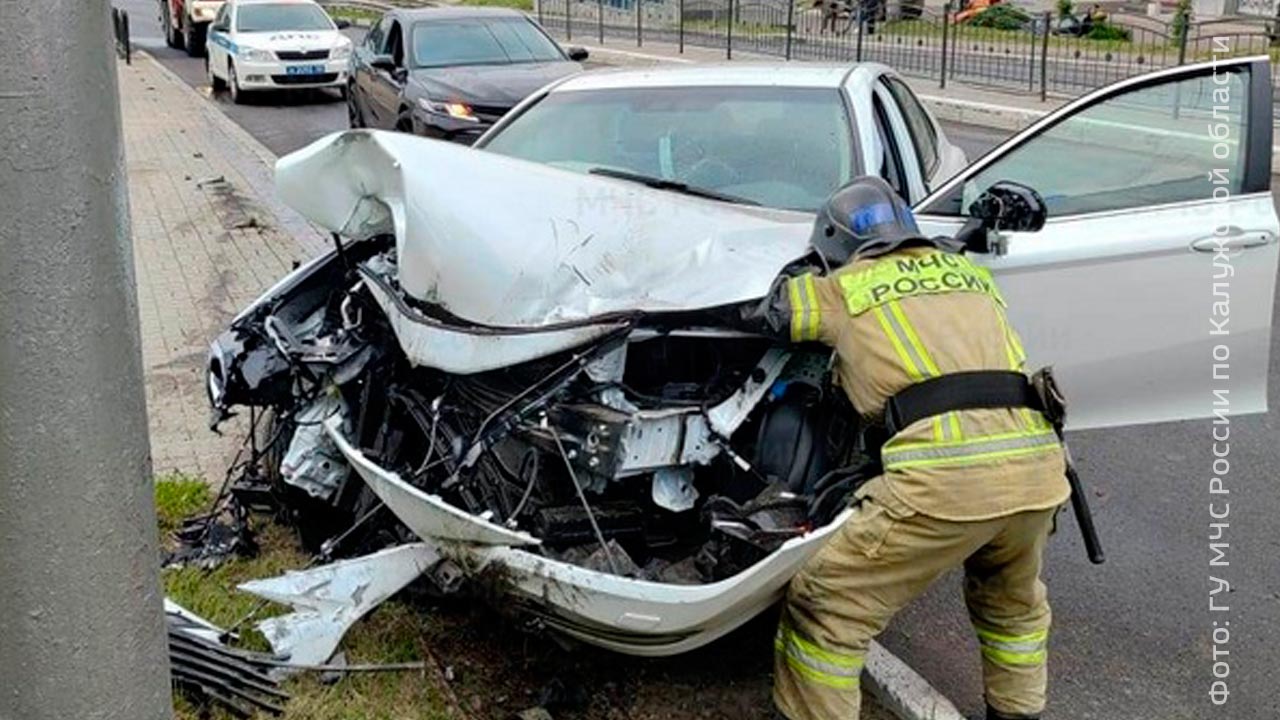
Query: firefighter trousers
(883, 557)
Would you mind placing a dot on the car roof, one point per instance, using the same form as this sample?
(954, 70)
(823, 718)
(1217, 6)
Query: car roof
(454, 12)
(791, 74)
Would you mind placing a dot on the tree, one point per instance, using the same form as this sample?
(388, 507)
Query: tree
(1181, 19)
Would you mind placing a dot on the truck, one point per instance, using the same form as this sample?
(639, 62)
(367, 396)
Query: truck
(186, 23)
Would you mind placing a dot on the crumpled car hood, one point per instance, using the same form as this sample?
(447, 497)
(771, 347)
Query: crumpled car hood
(509, 243)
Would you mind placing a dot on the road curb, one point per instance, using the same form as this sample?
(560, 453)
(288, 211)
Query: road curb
(970, 112)
(635, 57)
(902, 690)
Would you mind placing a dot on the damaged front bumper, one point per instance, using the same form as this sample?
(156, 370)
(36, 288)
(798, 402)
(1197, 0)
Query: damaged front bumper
(626, 615)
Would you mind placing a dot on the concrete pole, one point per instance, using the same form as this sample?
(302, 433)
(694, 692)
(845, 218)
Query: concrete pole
(81, 625)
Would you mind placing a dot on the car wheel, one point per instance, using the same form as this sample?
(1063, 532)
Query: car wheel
(233, 84)
(355, 118)
(405, 124)
(215, 82)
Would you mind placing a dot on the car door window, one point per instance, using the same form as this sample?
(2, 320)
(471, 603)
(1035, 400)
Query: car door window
(395, 44)
(890, 160)
(222, 21)
(1152, 184)
(923, 134)
(373, 41)
(1150, 146)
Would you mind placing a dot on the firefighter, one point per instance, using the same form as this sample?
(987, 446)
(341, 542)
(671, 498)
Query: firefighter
(972, 473)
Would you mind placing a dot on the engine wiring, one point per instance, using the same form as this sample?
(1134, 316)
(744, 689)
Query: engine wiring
(586, 506)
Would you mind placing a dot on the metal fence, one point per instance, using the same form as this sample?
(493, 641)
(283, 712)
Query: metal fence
(1034, 57)
(120, 28)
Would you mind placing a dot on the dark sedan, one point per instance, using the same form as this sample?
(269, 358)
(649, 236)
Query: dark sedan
(451, 72)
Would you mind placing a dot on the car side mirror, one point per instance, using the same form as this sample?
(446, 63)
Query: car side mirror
(383, 62)
(342, 23)
(576, 53)
(1004, 207)
(1010, 206)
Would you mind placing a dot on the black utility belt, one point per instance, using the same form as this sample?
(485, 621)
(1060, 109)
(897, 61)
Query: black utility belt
(972, 390)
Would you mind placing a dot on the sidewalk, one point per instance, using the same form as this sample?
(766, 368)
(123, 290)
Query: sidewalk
(207, 240)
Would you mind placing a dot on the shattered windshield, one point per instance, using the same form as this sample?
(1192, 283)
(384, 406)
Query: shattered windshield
(279, 18)
(779, 147)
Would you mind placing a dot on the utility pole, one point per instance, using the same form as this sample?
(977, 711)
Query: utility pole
(81, 626)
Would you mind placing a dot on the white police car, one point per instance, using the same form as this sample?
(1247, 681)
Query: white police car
(276, 44)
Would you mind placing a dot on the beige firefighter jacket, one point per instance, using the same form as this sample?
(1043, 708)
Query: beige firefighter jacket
(915, 314)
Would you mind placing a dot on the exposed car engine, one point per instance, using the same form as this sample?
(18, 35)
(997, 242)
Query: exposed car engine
(671, 448)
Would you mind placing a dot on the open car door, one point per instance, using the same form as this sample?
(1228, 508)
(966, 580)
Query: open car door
(1159, 256)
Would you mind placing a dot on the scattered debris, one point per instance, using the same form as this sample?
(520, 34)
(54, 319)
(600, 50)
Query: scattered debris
(237, 680)
(209, 540)
(329, 599)
(183, 620)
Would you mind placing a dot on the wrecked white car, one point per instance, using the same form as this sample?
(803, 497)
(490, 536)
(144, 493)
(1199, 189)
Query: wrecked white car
(532, 368)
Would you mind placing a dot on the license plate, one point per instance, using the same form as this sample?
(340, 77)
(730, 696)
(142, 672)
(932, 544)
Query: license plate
(304, 70)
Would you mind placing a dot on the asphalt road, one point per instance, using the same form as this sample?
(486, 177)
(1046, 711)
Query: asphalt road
(1132, 638)
(283, 122)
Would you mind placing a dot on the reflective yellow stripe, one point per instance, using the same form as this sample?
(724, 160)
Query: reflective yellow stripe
(915, 358)
(1017, 361)
(797, 310)
(815, 315)
(1015, 341)
(1030, 649)
(898, 276)
(1005, 657)
(979, 449)
(946, 427)
(824, 667)
(839, 660)
(805, 316)
(931, 368)
(1012, 345)
(898, 344)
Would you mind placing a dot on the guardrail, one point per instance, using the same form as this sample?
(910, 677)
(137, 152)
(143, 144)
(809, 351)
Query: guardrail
(1009, 50)
(120, 27)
